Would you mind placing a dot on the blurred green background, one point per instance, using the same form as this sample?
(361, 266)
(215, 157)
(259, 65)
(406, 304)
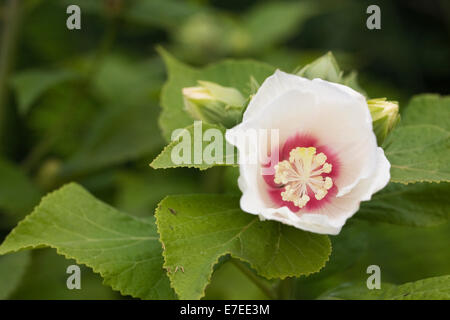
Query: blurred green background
(82, 105)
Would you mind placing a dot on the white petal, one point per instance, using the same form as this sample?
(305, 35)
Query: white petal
(335, 214)
(335, 118)
(335, 115)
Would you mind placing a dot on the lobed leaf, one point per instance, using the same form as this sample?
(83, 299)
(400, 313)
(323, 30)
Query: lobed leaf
(124, 250)
(197, 230)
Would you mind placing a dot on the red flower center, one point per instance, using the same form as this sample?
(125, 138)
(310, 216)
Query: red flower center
(304, 178)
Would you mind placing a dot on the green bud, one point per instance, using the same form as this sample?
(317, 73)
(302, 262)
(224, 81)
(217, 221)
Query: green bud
(384, 117)
(214, 104)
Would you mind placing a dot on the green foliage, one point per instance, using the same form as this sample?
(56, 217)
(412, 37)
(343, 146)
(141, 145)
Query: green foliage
(327, 68)
(163, 13)
(419, 204)
(118, 135)
(437, 288)
(289, 17)
(60, 127)
(127, 129)
(229, 73)
(420, 148)
(395, 249)
(419, 153)
(180, 145)
(12, 269)
(46, 276)
(82, 106)
(348, 247)
(139, 193)
(121, 81)
(124, 250)
(430, 109)
(228, 282)
(18, 195)
(197, 230)
(30, 85)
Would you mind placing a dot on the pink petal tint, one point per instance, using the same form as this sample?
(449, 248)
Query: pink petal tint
(275, 190)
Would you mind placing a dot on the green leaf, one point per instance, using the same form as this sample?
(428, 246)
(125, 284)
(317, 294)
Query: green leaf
(197, 230)
(419, 204)
(141, 80)
(437, 288)
(31, 84)
(429, 109)
(45, 279)
(228, 73)
(351, 80)
(128, 128)
(348, 246)
(124, 250)
(325, 68)
(419, 153)
(419, 149)
(186, 143)
(286, 19)
(405, 253)
(18, 195)
(229, 283)
(160, 13)
(353, 291)
(139, 192)
(61, 118)
(118, 135)
(12, 269)
(230, 179)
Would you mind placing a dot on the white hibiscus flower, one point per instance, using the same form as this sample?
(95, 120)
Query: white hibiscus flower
(328, 158)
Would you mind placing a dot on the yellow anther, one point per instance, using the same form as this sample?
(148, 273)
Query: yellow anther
(303, 174)
(326, 168)
(328, 183)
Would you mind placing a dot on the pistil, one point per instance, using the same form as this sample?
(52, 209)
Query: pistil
(303, 173)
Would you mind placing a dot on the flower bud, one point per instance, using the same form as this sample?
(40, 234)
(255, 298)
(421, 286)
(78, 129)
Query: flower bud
(384, 117)
(214, 104)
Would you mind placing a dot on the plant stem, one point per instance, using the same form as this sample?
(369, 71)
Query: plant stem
(255, 279)
(7, 48)
(285, 289)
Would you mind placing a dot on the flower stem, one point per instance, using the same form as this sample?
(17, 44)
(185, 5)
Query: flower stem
(255, 279)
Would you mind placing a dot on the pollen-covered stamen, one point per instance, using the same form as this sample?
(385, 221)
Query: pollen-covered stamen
(301, 173)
